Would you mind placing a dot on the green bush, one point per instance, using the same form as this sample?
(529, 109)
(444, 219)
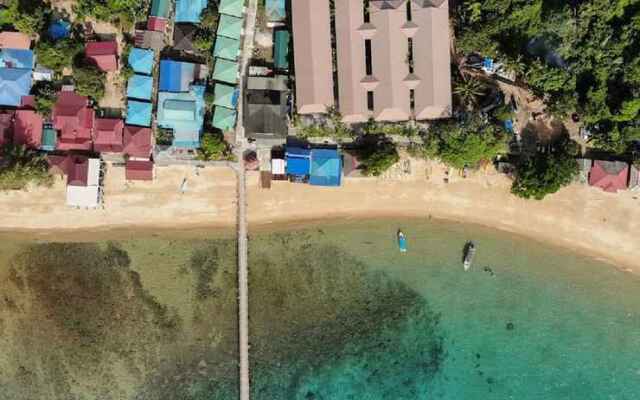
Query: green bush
(45, 94)
(21, 167)
(376, 154)
(213, 148)
(26, 16)
(59, 54)
(89, 80)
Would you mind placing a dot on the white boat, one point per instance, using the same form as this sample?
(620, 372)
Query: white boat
(469, 254)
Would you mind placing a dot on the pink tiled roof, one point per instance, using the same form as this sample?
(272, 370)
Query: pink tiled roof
(14, 40)
(73, 117)
(103, 54)
(609, 176)
(108, 135)
(312, 49)
(136, 170)
(157, 24)
(78, 174)
(137, 141)
(28, 129)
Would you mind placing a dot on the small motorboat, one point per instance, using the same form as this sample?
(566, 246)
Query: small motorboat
(469, 254)
(402, 242)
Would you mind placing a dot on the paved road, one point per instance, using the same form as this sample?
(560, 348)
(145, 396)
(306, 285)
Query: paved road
(243, 268)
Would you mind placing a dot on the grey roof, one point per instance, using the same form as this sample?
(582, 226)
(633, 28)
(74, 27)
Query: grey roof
(278, 82)
(428, 3)
(265, 113)
(386, 4)
(183, 35)
(149, 40)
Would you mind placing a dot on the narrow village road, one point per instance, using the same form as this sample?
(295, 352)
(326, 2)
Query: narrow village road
(243, 250)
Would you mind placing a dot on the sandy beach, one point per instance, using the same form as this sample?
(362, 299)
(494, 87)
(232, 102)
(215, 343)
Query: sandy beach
(578, 217)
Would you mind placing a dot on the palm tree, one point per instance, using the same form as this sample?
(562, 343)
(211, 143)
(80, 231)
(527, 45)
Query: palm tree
(469, 92)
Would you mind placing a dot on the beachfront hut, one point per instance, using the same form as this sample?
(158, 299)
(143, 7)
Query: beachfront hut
(326, 167)
(226, 48)
(225, 71)
(140, 87)
(189, 10)
(103, 55)
(83, 182)
(137, 141)
(223, 118)
(14, 40)
(107, 136)
(176, 76)
(74, 118)
(225, 96)
(281, 49)
(139, 170)
(230, 26)
(27, 129)
(231, 7)
(609, 176)
(141, 60)
(298, 160)
(139, 113)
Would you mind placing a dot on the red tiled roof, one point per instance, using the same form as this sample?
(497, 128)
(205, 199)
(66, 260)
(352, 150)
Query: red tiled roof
(73, 117)
(609, 176)
(139, 170)
(14, 40)
(108, 135)
(6, 127)
(28, 102)
(28, 129)
(103, 54)
(157, 24)
(78, 174)
(137, 141)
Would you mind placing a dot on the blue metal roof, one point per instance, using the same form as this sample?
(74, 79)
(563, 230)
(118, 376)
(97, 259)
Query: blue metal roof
(141, 60)
(298, 161)
(14, 83)
(173, 109)
(326, 167)
(17, 58)
(176, 76)
(140, 87)
(189, 10)
(138, 113)
(275, 10)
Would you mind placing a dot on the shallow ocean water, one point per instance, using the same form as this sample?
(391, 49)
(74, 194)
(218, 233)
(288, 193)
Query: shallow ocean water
(337, 312)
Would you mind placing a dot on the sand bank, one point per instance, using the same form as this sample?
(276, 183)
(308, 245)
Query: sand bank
(578, 217)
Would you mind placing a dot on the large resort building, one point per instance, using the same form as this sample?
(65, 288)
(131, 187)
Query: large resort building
(392, 59)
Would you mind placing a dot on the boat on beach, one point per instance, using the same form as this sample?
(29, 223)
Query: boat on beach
(402, 242)
(469, 254)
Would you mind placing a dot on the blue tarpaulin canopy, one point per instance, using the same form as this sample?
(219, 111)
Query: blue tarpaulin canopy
(59, 29)
(298, 161)
(326, 167)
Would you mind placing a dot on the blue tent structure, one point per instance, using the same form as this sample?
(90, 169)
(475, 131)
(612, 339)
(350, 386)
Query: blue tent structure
(17, 58)
(140, 87)
(176, 76)
(326, 167)
(139, 113)
(141, 60)
(14, 83)
(298, 161)
(59, 29)
(189, 10)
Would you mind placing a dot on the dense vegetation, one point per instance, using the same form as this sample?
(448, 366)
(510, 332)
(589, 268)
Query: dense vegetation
(545, 173)
(124, 13)
(90, 81)
(376, 153)
(20, 167)
(579, 56)
(26, 16)
(213, 148)
(45, 94)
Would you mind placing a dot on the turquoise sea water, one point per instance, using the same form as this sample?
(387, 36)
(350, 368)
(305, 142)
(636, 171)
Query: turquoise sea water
(529, 321)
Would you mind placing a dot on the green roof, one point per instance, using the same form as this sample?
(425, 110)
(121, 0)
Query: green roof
(281, 49)
(225, 96)
(226, 48)
(231, 7)
(160, 8)
(49, 139)
(225, 71)
(230, 26)
(223, 118)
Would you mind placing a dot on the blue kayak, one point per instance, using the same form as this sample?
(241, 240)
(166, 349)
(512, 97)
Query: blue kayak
(402, 242)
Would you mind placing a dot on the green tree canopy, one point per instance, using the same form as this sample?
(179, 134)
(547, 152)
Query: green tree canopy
(59, 54)
(124, 13)
(213, 148)
(22, 167)
(89, 80)
(376, 153)
(45, 94)
(465, 143)
(545, 173)
(579, 56)
(26, 16)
